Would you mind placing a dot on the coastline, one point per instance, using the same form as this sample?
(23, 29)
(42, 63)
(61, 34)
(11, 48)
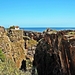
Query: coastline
(41, 29)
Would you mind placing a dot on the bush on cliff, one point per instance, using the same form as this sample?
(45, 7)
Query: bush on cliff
(31, 42)
(7, 66)
(12, 27)
(2, 56)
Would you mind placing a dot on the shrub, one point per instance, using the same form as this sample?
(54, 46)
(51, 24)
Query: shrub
(2, 56)
(31, 43)
(8, 68)
(12, 27)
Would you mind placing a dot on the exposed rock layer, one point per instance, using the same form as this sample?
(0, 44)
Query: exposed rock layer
(55, 54)
(12, 44)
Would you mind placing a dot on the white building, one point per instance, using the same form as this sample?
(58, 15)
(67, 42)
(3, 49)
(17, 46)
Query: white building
(16, 27)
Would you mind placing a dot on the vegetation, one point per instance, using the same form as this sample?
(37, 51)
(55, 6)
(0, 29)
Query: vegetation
(7, 67)
(2, 56)
(12, 27)
(71, 33)
(31, 42)
(28, 64)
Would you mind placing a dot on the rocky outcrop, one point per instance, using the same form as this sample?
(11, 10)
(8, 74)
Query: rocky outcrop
(35, 35)
(17, 47)
(67, 48)
(54, 54)
(46, 55)
(12, 45)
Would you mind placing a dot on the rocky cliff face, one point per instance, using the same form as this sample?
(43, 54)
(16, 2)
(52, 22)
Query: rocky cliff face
(12, 45)
(68, 53)
(17, 47)
(54, 54)
(36, 35)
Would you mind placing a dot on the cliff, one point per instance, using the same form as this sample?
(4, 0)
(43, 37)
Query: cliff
(54, 54)
(17, 47)
(12, 45)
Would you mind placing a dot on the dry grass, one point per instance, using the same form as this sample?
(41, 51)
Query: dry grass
(31, 43)
(7, 67)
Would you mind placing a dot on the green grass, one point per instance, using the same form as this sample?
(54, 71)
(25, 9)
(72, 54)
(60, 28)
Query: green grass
(31, 43)
(7, 67)
(28, 64)
(71, 33)
(2, 56)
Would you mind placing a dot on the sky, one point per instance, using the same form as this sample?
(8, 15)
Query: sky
(37, 13)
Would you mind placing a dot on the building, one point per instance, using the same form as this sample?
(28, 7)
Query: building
(16, 27)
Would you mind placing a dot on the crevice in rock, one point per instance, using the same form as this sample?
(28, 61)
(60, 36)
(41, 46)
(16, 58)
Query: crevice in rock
(23, 65)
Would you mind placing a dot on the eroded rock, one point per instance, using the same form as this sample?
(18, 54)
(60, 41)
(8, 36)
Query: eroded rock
(54, 54)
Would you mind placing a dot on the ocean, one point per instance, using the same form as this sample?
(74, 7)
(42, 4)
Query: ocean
(41, 29)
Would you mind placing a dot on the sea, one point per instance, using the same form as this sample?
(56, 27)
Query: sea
(41, 29)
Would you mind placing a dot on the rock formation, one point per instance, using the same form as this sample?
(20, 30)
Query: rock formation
(16, 46)
(54, 54)
(36, 35)
(12, 45)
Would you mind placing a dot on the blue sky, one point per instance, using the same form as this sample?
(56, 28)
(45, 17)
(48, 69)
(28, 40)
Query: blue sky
(37, 13)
